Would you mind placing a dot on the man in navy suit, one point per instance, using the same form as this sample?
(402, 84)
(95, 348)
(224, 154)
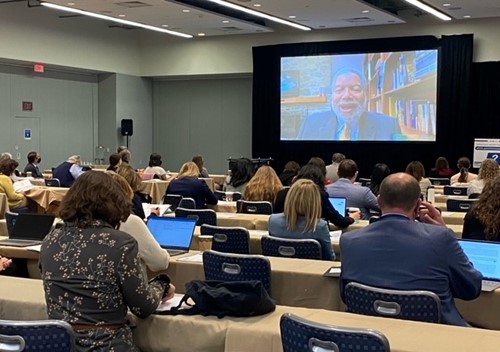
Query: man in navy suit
(349, 118)
(397, 252)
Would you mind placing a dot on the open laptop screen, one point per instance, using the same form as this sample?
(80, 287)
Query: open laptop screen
(339, 203)
(172, 233)
(485, 256)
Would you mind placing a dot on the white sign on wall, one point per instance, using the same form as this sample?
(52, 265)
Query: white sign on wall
(486, 149)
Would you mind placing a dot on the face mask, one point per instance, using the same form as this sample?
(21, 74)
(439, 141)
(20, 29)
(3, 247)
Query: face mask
(39, 160)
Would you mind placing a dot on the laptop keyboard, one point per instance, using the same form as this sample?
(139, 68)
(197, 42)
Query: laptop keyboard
(173, 252)
(488, 285)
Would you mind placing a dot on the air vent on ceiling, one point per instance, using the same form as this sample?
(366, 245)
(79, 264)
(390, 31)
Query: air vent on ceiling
(230, 29)
(359, 19)
(132, 4)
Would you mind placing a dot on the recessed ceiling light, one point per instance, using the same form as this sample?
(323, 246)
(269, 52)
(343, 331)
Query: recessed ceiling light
(225, 21)
(122, 15)
(467, 16)
(365, 11)
(71, 3)
(257, 5)
(292, 16)
(446, 5)
(201, 34)
(164, 25)
(186, 10)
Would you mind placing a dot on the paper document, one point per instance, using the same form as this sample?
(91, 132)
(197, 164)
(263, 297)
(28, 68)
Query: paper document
(174, 302)
(35, 248)
(163, 208)
(23, 185)
(335, 235)
(197, 258)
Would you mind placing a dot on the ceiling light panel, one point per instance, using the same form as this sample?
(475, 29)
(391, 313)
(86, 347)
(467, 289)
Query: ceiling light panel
(160, 12)
(320, 14)
(460, 8)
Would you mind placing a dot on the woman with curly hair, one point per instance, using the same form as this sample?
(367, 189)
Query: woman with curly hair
(263, 186)
(488, 171)
(482, 222)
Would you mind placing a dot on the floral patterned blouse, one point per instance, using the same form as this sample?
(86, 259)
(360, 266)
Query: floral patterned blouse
(92, 276)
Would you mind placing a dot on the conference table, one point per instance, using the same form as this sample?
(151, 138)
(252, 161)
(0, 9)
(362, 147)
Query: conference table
(294, 282)
(23, 299)
(47, 198)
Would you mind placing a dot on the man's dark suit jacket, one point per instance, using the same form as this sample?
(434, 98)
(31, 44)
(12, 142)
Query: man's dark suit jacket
(35, 171)
(372, 126)
(398, 253)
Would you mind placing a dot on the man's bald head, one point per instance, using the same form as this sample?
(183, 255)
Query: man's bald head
(399, 191)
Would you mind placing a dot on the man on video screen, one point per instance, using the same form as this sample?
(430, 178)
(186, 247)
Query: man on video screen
(349, 118)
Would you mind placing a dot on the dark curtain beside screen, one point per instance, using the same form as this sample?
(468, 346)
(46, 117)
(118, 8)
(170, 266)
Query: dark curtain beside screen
(455, 63)
(484, 119)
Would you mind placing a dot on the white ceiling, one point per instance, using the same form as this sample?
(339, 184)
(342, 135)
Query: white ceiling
(316, 14)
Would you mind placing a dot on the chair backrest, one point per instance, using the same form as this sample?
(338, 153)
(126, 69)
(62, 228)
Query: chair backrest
(454, 191)
(41, 335)
(202, 216)
(301, 335)
(10, 219)
(187, 203)
(365, 182)
(261, 207)
(228, 239)
(237, 267)
(221, 195)
(290, 248)
(439, 181)
(459, 205)
(52, 182)
(408, 305)
(173, 199)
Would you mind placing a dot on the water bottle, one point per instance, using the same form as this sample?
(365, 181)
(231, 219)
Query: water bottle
(430, 194)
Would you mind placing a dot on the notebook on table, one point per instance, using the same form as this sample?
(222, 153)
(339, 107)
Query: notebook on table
(339, 203)
(29, 230)
(173, 234)
(485, 256)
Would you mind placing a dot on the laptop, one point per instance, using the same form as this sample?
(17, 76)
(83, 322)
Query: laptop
(29, 230)
(485, 256)
(173, 234)
(339, 203)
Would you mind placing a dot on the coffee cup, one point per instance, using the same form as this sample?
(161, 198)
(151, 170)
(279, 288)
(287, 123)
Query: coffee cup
(205, 242)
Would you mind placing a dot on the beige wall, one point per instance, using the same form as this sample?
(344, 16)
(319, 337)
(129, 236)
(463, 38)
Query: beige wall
(37, 34)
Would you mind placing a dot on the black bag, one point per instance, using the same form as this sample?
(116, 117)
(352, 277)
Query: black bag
(221, 298)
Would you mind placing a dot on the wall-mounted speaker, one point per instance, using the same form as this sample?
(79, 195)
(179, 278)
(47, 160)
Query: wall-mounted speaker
(127, 127)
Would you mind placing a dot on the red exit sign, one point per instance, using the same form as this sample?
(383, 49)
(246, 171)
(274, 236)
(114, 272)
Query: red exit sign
(27, 106)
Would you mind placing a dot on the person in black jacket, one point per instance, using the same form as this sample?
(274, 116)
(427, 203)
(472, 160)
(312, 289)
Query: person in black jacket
(315, 174)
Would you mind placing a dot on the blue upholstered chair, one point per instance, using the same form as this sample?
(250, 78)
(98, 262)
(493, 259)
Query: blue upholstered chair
(245, 206)
(10, 219)
(228, 239)
(439, 181)
(454, 191)
(187, 203)
(41, 335)
(459, 205)
(237, 267)
(221, 195)
(301, 335)
(52, 182)
(365, 182)
(408, 305)
(173, 199)
(202, 216)
(291, 248)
